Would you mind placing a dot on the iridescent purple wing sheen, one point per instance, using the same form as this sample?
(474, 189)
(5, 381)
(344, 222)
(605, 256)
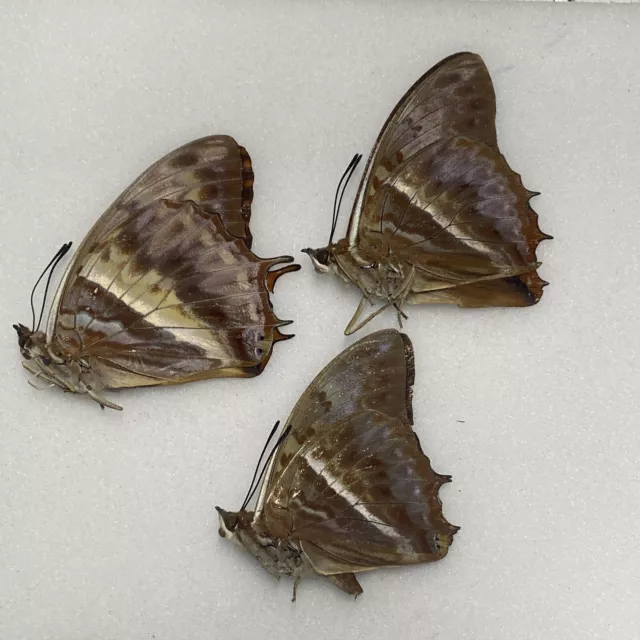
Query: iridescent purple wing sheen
(438, 195)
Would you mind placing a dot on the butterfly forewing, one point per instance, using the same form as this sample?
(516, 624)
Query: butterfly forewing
(213, 172)
(375, 373)
(454, 98)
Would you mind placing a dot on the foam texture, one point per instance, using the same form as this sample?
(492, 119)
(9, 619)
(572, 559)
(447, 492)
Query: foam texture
(108, 529)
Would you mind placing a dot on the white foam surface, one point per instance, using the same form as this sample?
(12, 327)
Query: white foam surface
(601, 1)
(108, 529)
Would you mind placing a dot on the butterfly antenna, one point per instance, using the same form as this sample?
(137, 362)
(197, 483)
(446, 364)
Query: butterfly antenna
(252, 487)
(255, 473)
(337, 201)
(53, 263)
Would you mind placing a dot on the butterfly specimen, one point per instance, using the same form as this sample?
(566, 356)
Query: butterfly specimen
(439, 216)
(347, 487)
(164, 289)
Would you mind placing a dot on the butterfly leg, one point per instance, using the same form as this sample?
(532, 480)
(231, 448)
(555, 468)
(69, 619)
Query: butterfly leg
(352, 327)
(401, 295)
(347, 582)
(103, 402)
(396, 299)
(36, 387)
(295, 589)
(401, 314)
(349, 330)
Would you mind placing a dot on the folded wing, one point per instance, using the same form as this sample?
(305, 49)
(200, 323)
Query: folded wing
(458, 215)
(360, 495)
(167, 296)
(438, 196)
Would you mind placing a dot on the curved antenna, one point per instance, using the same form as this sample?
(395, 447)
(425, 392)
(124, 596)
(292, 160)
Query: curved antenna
(252, 487)
(53, 263)
(255, 473)
(337, 201)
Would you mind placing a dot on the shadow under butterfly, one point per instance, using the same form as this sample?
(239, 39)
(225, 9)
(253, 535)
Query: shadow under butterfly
(439, 216)
(347, 486)
(164, 289)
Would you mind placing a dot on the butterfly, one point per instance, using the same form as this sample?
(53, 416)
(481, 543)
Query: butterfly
(347, 486)
(439, 216)
(164, 289)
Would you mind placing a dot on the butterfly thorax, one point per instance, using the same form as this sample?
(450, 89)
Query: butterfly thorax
(279, 556)
(51, 362)
(371, 266)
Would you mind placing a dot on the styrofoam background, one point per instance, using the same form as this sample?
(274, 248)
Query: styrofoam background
(108, 529)
(600, 1)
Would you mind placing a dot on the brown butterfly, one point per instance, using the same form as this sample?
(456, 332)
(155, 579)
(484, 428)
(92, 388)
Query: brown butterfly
(164, 288)
(439, 217)
(349, 488)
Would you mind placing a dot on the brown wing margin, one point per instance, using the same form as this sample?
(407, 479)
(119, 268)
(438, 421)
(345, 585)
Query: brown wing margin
(247, 192)
(411, 374)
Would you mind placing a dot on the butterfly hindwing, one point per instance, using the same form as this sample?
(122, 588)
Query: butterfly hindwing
(361, 494)
(457, 215)
(169, 296)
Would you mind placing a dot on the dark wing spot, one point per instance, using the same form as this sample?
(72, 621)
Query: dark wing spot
(187, 159)
(178, 227)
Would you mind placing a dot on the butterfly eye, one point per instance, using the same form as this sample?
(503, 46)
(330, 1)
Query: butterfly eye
(322, 256)
(46, 361)
(228, 522)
